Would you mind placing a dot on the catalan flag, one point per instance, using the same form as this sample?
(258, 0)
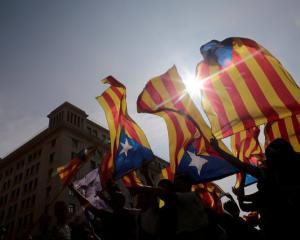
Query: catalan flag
(166, 173)
(287, 128)
(129, 146)
(189, 149)
(210, 194)
(67, 172)
(244, 86)
(245, 146)
(132, 180)
(105, 169)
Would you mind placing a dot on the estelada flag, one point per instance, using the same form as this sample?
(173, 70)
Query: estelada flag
(190, 151)
(244, 86)
(129, 146)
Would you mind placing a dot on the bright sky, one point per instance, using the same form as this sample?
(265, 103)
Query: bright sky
(56, 51)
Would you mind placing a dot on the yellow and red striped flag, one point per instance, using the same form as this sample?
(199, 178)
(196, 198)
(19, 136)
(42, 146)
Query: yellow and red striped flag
(210, 194)
(244, 86)
(166, 173)
(132, 180)
(129, 146)
(246, 147)
(287, 128)
(189, 148)
(67, 172)
(105, 169)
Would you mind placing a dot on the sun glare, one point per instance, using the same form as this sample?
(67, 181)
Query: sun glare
(193, 86)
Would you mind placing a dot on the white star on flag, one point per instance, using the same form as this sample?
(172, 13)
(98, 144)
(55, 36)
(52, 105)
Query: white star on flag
(197, 161)
(126, 147)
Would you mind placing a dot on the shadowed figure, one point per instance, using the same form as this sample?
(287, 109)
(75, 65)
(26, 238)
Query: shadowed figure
(61, 230)
(278, 188)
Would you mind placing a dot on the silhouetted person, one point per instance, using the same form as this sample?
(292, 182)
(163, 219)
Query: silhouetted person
(278, 188)
(167, 213)
(61, 230)
(148, 216)
(192, 220)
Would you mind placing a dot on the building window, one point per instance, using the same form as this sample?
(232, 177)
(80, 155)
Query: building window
(48, 191)
(30, 218)
(95, 133)
(35, 183)
(53, 142)
(25, 221)
(37, 166)
(17, 192)
(31, 170)
(32, 200)
(75, 143)
(15, 180)
(50, 172)
(12, 195)
(51, 157)
(71, 208)
(20, 177)
(25, 188)
(30, 186)
(89, 130)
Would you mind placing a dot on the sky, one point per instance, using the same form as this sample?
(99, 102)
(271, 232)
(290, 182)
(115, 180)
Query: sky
(56, 51)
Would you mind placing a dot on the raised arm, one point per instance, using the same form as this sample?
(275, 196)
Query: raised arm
(244, 167)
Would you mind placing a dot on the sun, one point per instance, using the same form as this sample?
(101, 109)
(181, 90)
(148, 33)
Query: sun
(193, 86)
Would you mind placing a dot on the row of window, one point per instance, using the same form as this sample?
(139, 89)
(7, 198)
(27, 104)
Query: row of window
(32, 170)
(56, 119)
(27, 203)
(30, 186)
(3, 200)
(22, 222)
(12, 210)
(15, 194)
(18, 178)
(74, 119)
(34, 156)
(20, 164)
(25, 221)
(92, 132)
(6, 185)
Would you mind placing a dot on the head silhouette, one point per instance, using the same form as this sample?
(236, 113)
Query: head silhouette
(277, 151)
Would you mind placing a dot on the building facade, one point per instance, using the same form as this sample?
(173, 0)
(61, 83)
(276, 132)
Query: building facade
(29, 182)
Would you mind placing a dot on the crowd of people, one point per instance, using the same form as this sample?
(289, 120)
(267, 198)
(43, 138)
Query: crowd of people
(171, 210)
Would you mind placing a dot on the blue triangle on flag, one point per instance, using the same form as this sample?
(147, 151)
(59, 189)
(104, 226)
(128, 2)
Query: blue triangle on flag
(130, 156)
